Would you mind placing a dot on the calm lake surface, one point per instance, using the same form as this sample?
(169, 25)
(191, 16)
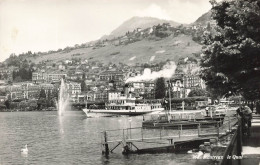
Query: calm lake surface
(70, 139)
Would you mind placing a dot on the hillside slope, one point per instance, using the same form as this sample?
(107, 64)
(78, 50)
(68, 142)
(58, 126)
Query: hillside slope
(137, 22)
(204, 19)
(144, 51)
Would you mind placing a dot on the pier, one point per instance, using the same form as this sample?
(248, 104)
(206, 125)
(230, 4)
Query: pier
(140, 140)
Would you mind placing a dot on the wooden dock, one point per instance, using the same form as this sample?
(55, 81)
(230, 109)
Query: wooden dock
(130, 138)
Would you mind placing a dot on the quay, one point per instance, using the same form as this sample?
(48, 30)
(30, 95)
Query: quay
(225, 141)
(140, 140)
(244, 150)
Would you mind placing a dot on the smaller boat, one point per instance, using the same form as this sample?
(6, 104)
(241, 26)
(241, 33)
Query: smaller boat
(189, 119)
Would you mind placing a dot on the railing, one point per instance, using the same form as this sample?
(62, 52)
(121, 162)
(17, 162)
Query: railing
(235, 146)
(162, 135)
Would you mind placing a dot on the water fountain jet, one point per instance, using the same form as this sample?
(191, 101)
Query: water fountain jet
(63, 99)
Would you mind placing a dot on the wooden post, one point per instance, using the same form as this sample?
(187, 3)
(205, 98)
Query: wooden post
(239, 138)
(142, 134)
(229, 124)
(106, 152)
(218, 128)
(198, 129)
(181, 128)
(160, 133)
(179, 133)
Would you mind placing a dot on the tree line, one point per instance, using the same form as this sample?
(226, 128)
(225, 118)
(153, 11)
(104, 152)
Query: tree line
(231, 57)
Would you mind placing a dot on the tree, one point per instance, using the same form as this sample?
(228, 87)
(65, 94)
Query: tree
(30, 74)
(49, 99)
(55, 93)
(42, 101)
(231, 58)
(7, 104)
(197, 92)
(42, 94)
(83, 85)
(160, 88)
(18, 79)
(5, 76)
(83, 76)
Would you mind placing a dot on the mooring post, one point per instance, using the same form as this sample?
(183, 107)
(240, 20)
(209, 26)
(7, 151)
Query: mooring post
(239, 138)
(142, 134)
(179, 133)
(218, 128)
(198, 129)
(181, 128)
(161, 133)
(106, 152)
(229, 124)
(130, 134)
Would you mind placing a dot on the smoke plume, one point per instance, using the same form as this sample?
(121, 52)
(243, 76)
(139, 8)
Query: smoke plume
(167, 71)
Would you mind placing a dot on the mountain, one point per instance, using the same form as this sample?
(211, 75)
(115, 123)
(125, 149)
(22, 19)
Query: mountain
(145, 46)
(204, 19)
(143, 51)
(137, 22)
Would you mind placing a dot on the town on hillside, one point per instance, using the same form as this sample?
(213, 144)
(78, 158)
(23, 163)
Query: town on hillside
(30, 86)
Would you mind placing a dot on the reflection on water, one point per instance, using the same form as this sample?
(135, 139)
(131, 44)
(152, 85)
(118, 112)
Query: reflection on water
(61, 130)
(68, 139)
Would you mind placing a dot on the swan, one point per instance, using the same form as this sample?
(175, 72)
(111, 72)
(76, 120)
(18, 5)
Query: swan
(189, 152)
(25, 149)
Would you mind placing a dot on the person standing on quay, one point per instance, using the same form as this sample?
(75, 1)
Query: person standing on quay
(257, 107)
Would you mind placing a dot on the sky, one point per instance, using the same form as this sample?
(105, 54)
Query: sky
(43, 25)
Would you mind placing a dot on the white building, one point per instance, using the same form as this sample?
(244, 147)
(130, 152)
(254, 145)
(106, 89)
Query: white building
(73, 88)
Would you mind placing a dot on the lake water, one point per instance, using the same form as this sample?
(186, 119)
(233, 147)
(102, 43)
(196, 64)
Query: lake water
(70, 139)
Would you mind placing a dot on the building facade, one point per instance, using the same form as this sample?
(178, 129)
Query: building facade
(112, 75)
(41, 77)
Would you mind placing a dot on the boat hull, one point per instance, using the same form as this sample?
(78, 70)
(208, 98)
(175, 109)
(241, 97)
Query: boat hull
(109, 113)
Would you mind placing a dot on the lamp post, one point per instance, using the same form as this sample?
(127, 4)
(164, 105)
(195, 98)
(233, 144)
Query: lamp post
(169, 91)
